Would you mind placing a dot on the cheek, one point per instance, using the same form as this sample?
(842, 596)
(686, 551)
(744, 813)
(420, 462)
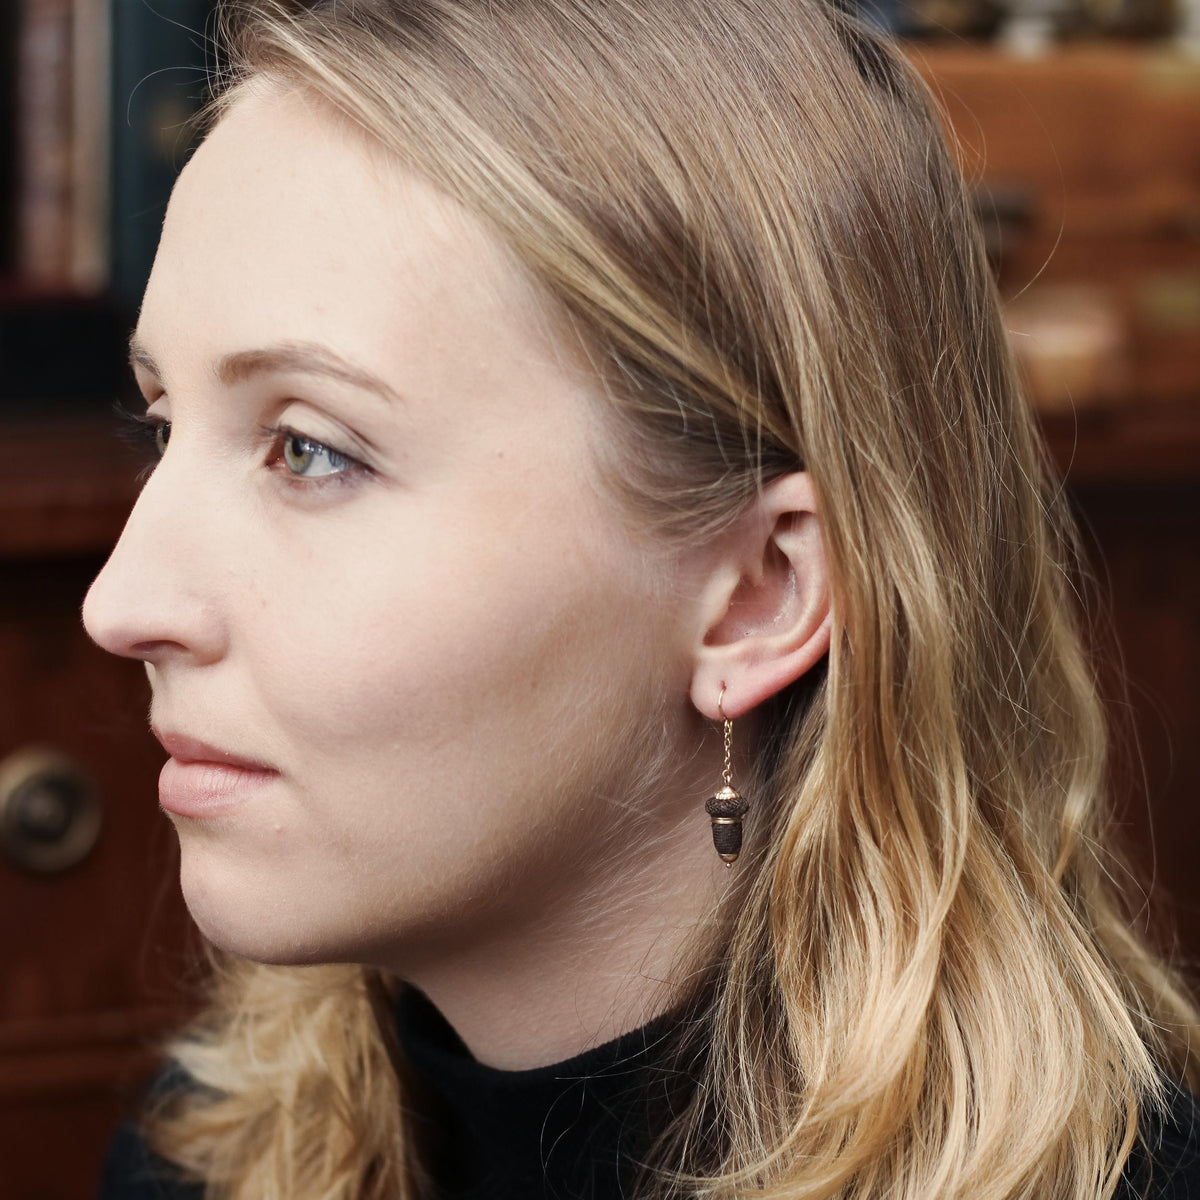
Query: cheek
(449, 699)
(441, 648)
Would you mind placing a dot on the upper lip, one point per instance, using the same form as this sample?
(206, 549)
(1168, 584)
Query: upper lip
(189, 749)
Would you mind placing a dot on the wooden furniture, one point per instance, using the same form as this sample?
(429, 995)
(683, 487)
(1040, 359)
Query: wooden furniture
(1094, 151)
(1091, 158)
(92, 956)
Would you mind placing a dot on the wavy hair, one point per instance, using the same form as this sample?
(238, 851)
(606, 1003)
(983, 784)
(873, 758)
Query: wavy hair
(931, 986)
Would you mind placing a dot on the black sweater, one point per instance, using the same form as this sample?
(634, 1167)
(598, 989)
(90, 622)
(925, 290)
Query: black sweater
(577, 1130)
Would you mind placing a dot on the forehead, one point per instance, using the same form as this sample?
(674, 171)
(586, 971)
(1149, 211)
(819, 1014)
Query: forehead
(289, 221)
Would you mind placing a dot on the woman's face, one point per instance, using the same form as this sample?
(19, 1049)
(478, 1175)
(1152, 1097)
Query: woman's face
(417, 606)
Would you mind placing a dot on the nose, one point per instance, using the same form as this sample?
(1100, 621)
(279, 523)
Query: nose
(153, 598)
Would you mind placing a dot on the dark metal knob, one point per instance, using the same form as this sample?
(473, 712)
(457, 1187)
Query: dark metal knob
(49, 812)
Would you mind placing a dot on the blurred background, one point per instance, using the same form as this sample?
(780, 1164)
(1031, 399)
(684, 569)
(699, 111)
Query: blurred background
(1078, 124)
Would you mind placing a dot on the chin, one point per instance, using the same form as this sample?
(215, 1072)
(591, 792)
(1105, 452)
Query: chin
(252, 940)
(249, 916)
(276, 913)
(288, 902)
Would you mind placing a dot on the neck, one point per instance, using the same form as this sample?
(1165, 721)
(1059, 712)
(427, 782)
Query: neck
(598, 958)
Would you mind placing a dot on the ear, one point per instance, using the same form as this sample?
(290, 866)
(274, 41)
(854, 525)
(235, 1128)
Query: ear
(765, 606)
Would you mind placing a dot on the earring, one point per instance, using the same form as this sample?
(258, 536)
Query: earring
(727, 807)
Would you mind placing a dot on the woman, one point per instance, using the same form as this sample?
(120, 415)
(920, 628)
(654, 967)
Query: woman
(570, 410)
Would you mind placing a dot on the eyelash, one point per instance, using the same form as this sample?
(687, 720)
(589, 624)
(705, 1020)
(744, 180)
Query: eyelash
(142, 431)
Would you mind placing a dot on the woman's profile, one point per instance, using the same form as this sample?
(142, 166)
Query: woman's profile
(613, 630)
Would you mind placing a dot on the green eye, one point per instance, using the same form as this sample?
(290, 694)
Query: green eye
(310, 459)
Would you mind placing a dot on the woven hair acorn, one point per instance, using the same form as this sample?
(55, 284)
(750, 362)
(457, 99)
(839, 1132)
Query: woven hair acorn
(728, 806)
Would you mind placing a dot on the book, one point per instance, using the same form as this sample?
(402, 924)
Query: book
(161, 52)
(97, 122)
(43, 136)
(90, 211)
(96, 98)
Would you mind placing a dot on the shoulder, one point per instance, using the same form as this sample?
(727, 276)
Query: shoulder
(132, 1171)
(1165, 1165)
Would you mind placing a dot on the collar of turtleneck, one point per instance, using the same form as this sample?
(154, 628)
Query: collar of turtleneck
(574, 1130)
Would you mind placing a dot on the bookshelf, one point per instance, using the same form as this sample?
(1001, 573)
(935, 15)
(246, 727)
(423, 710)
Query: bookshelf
(1100, 141)
(94, 114)
(94, 101)
(1091, 152)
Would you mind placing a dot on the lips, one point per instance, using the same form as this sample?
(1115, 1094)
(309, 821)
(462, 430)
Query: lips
(202, 780)
(185, 749)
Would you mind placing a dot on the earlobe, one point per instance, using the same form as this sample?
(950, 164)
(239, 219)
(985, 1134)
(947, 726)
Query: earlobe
(770, 603)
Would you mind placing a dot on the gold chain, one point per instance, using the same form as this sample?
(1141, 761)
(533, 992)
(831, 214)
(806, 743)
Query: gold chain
(728, 776)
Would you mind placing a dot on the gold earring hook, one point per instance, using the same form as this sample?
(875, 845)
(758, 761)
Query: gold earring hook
(720, 700)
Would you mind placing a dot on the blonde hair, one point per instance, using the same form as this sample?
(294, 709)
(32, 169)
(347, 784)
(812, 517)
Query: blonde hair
(931, 987)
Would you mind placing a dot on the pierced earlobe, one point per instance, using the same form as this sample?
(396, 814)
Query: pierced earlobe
(727, 807)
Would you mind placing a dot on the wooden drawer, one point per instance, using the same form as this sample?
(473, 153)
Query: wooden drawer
(91, 957)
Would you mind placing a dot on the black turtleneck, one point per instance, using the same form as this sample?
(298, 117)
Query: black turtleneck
(579, 1129)
(576, 1130)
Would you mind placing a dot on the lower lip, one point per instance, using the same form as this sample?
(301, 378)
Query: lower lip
(208, 789)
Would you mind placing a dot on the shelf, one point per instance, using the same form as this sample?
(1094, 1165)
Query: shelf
(1131, 444)
(66, 488)
(16, 291)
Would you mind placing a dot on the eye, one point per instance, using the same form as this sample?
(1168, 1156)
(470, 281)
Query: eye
(144, 430)
(306, 458)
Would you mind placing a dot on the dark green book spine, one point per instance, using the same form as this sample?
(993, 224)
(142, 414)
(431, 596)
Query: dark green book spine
(162, 53)
(8, 136)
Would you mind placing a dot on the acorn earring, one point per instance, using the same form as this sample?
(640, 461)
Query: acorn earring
(727, 807)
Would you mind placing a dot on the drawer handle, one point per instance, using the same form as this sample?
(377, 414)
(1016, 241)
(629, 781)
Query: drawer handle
(49, 812)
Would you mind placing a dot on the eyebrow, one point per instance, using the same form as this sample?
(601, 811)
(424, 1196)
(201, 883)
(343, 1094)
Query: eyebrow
(310, 358)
